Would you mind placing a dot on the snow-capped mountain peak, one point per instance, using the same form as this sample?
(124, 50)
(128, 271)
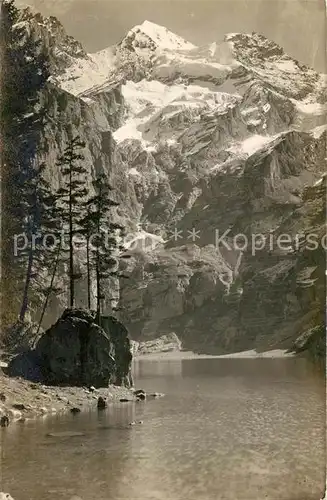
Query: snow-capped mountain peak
(247, 65)
(160, 37)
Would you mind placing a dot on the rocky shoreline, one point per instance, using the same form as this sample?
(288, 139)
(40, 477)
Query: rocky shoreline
(74, 366)
(21, 400)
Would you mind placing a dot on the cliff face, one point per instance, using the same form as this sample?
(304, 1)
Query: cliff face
(198, 141)
(68, 116)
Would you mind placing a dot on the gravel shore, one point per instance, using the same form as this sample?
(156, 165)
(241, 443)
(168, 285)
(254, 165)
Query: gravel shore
(21, 400)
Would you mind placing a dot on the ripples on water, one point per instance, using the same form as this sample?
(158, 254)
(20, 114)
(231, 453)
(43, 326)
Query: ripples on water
(228, 429)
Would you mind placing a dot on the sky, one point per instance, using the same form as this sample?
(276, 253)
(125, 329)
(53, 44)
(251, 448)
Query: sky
(298, 25)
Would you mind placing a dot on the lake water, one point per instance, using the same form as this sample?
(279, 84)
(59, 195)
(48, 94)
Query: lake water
(228, 429)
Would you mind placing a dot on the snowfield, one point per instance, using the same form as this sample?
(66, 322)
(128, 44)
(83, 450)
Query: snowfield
(85, 74)
(150, 104)
(162, 37)
(183, 91)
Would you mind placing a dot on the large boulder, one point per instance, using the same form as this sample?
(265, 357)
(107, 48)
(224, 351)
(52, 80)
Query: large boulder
(76, 351)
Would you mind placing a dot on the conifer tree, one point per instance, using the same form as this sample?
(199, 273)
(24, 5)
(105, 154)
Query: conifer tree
(88, 227)
(105, 234)
(70, 199)
(24, 73)
(41, 217)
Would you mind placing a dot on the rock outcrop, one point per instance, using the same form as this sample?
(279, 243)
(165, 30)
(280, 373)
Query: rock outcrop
(77, 352)
(165, 343)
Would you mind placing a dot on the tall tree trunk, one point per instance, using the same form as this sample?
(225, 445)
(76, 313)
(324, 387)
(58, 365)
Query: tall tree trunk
(98, 268)
(98, 288)
(45, 305)
(24, 307)
(71, 250)
(88, 272)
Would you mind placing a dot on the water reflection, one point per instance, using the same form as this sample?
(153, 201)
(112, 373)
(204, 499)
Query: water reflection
(227, 430)
(153, 368)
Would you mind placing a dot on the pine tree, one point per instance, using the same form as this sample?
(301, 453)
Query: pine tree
(87, 229)
(106, 250)
(103, 241)
(24, 73)
(41, 217)
(70, 197)
(123, 255)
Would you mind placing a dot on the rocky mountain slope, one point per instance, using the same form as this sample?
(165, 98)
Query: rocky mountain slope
(199, 141)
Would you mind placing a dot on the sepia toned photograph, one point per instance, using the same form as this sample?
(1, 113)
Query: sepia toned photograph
(163, 249)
